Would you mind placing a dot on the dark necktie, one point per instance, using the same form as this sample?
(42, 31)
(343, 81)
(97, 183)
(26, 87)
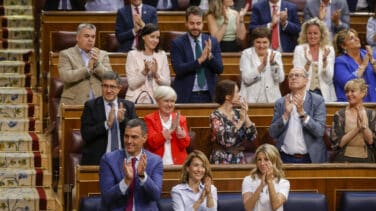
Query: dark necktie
(200, 72)
(165, 3)
(114, 133)
(64, 4)
(129, 205)
(137, 9)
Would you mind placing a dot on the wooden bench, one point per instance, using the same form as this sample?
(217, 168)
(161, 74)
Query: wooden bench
(331, 179)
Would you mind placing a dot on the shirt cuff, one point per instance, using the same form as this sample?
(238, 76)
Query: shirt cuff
(284, 120)
(106, 125)
(284, 28)
(306, 120)
(123, 187)
(143, 180)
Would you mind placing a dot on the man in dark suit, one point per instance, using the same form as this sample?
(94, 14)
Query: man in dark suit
(131, 179)
(285, 18)
(163, 4)
(103, 121)
(130, 20)
(196, 60)
(299, 122)
(60, 4)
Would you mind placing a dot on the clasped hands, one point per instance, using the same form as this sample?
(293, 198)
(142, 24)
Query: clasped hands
(205, 193)
(152, 67)
(138, 22)
(335, 16)
(290, 101)
(279, 17)
(128, 169)
(268, 176)
(175, 126)
(120, 115)
(94, 53)
(206, 52)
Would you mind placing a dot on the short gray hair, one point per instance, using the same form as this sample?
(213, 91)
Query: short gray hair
(85, 26)
(164, 92)
(137, 123)
(110, 75)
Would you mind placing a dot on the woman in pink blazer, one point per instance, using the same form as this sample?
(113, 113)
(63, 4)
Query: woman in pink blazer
(146, 67)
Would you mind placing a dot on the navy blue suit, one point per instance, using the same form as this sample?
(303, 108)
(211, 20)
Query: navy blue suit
(94, 132)
(111, 173)
(154, 3)
(261, 17)
(185, 66)
(124, 24)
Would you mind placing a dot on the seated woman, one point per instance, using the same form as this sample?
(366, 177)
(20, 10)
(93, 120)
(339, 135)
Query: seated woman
(167, 131)
(195, 190)
(316, 55)
(354, 127)
(261, 69)
(147, 67)
(371, 31)
(227, 25)
(230, 125)
(266, 188)
(353, 62)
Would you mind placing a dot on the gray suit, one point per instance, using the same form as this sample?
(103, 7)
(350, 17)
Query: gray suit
(76, 78)
(313, 131)
(312, 9)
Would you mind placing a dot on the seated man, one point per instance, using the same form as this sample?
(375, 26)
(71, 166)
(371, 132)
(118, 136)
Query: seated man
(104, 5)
(81, 67)
(130, 20)
(334, 13)
(281, 18)
(131, 179)
(103, 121)
(196, 59)
(299, 122)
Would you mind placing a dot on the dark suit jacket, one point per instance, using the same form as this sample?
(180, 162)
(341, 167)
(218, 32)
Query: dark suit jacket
(261, 17)
(313, 131)
(124, 24)
(111, 173)
(94, 132)
(154, 3)
(185, 66)
(352, 5)
(54, 4)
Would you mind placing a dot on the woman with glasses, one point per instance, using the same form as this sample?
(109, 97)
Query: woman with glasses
(261, 69)
(315, 54)
(146, 67)
(353, 62)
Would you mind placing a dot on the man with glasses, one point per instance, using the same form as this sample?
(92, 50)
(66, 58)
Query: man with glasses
(299, 122)
(103, 121)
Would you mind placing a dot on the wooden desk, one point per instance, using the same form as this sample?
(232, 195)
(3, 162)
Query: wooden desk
(331, 179)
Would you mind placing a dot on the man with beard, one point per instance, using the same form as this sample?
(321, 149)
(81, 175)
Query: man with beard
(196, 60)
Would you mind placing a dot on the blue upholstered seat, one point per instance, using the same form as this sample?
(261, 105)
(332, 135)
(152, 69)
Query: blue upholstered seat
(306, 201)
(358, 201)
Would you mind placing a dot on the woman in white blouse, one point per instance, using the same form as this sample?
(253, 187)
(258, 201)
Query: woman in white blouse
(315, 54)
(261, 69)
(147, 67)
(195, 190)
(266, 188)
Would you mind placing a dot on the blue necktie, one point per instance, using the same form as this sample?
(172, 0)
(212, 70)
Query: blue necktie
(165, 4)
(200, 72)
(114, 133)
(64, 4)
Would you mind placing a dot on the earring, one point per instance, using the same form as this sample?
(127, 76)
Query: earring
(345, 51)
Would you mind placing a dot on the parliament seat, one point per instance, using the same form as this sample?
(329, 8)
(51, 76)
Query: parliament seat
(307, 201)
(61, 40)
(358, 201)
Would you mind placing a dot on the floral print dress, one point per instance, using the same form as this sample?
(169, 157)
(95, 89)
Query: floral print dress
(227, 139)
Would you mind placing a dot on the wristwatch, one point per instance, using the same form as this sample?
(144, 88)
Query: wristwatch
(303, 116)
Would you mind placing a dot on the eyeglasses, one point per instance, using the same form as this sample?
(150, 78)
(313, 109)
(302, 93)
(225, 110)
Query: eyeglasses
(296, 75)
(112, 87)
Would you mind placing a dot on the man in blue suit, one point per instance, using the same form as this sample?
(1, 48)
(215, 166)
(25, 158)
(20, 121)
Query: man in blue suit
(131, 179)
(130, 20)
(299, 122)
(285, 18)
(196, 59)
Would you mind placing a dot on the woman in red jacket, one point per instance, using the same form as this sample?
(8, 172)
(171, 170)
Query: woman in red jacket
(167, 131)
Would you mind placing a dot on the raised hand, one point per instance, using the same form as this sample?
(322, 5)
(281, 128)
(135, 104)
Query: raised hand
(336, 16)
(271, 58)
(283, 15)
(153, 67)
(208, 183)
(166, 134)
(121, 112)
(288, 106)
(322, 11)
(243, 11)
(307, 55)
(111, 117)
(269, 175)
(128, 171)
(298, 101)
(142, 165)
(94, 53)
(175, 122)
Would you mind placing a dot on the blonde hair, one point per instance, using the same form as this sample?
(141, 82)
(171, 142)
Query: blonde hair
(357, 83)
(271, 152)
(184, 176)
(164, 92)
(324, 38)
(216, 8)
(340, 38)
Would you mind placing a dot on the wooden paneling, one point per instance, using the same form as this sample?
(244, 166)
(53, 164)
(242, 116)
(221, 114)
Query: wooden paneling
(329, 179)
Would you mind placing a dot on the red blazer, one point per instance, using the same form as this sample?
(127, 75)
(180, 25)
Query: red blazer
(155, 142)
